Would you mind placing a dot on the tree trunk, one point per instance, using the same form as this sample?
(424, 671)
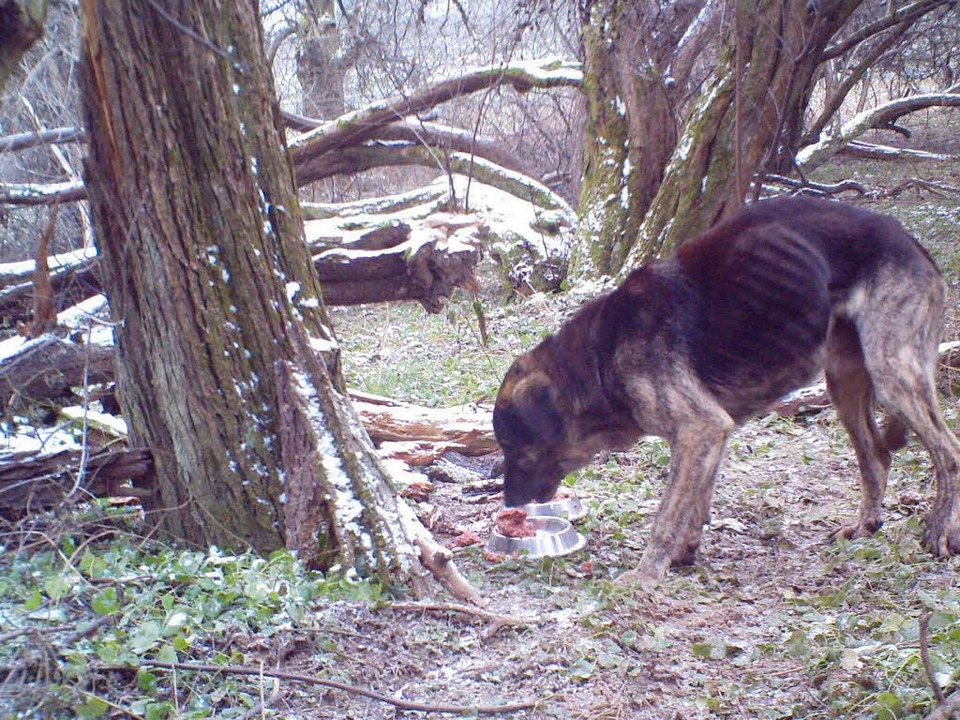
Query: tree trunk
(631, 127)
(766, 69)
(656, 175)
(226, 365)
(767, 66)
(319, 70)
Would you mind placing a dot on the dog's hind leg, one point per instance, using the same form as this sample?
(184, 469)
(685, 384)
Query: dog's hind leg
(899, 338)
(851, 390)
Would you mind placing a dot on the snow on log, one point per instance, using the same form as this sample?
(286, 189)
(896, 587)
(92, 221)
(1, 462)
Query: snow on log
(48, 194)
(813, 156)
(425, 262)
(876, 151)
(47, 367)
(527, 232)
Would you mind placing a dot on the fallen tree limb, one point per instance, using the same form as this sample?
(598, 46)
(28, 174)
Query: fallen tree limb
(818, 188)
(48, 194)
(364, 124)
(876, 151)
(53, 136)
(425, 262)
(34, 481)
(816, 154)
(426, 267)
(466, 429)
(313, 680)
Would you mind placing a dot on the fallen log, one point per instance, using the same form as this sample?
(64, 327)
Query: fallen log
(425, 263)
(34, 481)
(46, 368)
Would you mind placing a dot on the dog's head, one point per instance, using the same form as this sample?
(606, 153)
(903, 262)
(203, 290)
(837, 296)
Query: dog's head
(536, 432)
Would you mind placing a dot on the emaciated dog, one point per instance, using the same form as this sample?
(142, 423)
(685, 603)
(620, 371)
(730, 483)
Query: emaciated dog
(689, 347)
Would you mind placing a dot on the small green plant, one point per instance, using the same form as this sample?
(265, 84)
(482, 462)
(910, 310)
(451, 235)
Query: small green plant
(76, 611)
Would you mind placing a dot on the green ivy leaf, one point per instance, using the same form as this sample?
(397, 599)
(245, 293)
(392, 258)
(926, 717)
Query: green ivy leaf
(105, 601)
(34, 600)
(582, 669)
(92, 707)
(147, 681)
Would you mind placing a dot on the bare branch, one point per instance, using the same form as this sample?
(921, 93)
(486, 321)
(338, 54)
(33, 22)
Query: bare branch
(832, 104)
(876, 151)
(17, 194)
(313, 680)
(364, 124)
(813, 156)
(909, 14)
(54, 136)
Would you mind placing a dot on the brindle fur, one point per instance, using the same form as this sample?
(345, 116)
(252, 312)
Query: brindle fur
(690, 347)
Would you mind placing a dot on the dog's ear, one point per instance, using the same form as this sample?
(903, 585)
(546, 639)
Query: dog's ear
(528, 411)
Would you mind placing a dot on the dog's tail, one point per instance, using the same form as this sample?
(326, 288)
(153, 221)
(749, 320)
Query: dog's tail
(894, 433)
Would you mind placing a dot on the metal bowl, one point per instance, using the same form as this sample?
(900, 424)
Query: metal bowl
(555, 536)
(568, 507)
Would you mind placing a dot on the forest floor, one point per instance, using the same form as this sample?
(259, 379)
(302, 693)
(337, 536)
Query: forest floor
(772, 621)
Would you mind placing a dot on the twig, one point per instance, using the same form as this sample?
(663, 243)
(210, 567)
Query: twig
(937, 188)
(89, 630)
(353, 689)
(925, 657)
(496, 620)
(824, 188)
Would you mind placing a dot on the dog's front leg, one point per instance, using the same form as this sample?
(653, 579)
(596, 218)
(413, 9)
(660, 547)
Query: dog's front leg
(695, 455)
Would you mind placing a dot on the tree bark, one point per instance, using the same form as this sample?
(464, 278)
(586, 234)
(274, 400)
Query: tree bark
(631, 127)
(226, 367)
(764, 75)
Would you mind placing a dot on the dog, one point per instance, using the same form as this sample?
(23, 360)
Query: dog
(690, 347)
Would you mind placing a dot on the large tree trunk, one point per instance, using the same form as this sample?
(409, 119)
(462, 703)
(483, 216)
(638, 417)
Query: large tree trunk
(631, 127)
(770, 54)
(319, 69)
(680, 173)
(226, 365)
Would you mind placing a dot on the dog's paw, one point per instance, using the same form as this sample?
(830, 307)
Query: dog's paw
(854, 531)
(943, 533)
(639, 578)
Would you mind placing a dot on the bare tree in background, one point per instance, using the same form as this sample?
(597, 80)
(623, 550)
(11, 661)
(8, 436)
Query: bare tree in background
(728, 86)
(21, 25)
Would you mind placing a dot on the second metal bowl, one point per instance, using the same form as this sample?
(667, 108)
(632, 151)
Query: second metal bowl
(568, 507)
